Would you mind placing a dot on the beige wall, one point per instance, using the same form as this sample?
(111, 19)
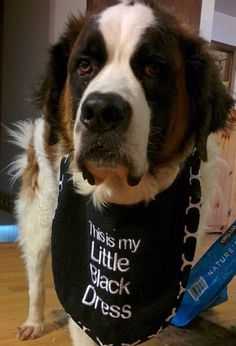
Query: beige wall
(25, 44)
(29, 27)
(60, 10)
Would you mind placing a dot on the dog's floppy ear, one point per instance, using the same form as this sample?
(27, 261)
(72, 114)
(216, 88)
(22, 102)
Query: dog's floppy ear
(210, 104)
(52, 84)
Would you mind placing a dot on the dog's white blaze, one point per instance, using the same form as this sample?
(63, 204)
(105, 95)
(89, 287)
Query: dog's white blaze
(122, 26)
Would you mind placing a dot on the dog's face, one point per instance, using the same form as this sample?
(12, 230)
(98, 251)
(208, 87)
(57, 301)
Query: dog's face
(141, 89)
(126, 76)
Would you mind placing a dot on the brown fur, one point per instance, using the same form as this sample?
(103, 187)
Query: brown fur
(30, 175)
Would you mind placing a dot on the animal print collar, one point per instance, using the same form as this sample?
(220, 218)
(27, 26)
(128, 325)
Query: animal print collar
(121, 273)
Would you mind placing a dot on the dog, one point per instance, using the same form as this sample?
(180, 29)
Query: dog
(128, 94)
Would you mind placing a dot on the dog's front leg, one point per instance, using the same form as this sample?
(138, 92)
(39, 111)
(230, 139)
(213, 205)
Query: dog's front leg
(35, 211)
(35, 264)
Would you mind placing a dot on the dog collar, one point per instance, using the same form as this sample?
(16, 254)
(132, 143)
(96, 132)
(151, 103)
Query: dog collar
(121, 272)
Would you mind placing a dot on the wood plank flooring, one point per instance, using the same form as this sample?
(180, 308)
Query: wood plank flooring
(14, 301)
(216, 327)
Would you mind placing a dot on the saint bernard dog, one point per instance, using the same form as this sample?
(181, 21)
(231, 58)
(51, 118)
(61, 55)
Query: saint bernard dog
(128, 94)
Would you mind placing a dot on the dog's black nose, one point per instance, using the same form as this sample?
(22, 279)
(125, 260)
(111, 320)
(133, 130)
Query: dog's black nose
(105, 112)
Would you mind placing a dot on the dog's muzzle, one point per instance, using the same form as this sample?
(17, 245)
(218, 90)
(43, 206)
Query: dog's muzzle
(103, 124)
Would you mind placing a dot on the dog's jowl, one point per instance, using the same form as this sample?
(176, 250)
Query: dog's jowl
(118, 167)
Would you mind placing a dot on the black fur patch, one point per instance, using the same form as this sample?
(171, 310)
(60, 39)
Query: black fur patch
(90, 46)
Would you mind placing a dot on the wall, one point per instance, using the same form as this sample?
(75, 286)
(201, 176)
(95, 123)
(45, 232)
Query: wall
(25, 44)
(224, 30)
(226, 6)
(29, 26)
(60, 10)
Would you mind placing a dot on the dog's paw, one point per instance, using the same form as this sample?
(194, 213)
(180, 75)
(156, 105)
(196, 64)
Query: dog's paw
(29, 331)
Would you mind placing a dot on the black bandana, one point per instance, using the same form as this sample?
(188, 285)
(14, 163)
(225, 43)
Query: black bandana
(121, 272)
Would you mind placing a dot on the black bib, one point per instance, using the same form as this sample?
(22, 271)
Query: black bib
(121, 272)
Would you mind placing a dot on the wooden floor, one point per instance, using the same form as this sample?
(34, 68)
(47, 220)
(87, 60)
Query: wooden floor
(14, 300)
(216, 327)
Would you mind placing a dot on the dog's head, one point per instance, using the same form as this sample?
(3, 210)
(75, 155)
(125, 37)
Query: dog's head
(139, 89)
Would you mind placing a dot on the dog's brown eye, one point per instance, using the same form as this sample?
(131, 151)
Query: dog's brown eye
(152, 70)
(85, 67)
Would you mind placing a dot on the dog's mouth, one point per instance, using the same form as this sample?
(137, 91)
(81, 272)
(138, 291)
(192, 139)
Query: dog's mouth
(100, 161)
(102, 156)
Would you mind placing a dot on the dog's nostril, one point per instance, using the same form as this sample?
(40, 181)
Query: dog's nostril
(87, 114)
(104, 112)
(112, 114)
